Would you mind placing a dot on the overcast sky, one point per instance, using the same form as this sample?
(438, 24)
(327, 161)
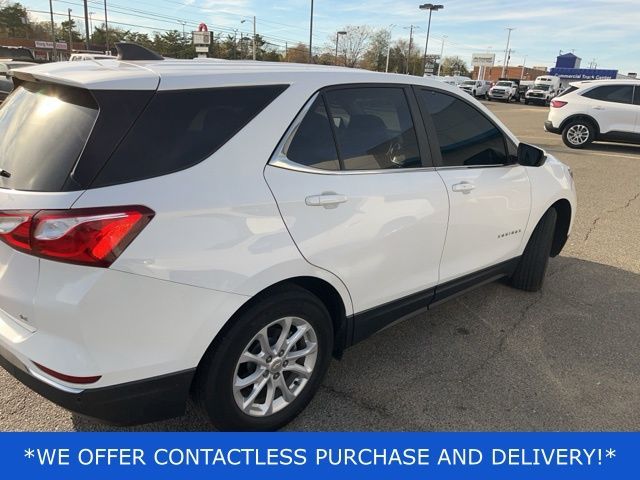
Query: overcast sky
(606, 31)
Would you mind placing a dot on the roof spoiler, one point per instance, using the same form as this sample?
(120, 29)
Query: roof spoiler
(133, 51)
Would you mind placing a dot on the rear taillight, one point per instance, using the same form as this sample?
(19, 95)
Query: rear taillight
(557, 103)
(93, 236)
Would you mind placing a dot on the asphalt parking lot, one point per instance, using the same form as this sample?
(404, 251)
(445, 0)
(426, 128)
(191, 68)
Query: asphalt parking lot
(565, 358)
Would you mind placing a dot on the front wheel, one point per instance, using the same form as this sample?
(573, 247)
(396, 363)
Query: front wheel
(530, 272)
(578, 133)
(266, 368)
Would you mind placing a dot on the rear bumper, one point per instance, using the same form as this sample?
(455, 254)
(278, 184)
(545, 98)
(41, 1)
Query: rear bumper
(548, 126)
(130, 403)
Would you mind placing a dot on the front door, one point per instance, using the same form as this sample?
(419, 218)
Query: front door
(489, 195)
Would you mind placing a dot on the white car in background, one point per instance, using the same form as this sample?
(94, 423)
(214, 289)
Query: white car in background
(598, 110)
(477, 88)
(225, 228)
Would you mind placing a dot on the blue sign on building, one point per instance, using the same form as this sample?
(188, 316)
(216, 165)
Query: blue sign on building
(583, 73)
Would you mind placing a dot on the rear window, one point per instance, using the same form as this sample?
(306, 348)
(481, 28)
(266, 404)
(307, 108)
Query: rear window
(179, 129)
(44, 130)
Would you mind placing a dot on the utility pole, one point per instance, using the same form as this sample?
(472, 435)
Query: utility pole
(106, 27)
(410, 27)
(441, 53)
(523, 64)
(70, 35)
(86, 24)
(389, 47)
(506, 50)
(254, 37)
(53, 33)
(311, 35)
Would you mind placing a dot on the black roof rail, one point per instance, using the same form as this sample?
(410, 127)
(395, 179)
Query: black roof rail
(133, 51)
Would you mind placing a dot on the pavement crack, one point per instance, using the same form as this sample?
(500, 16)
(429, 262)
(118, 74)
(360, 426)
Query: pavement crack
(358, 402)
(607, 212)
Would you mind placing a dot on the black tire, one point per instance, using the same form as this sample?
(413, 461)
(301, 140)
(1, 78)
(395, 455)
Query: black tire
(526, 102)
(583, 124)
(213, 387)
(531, 269)
(488, 98)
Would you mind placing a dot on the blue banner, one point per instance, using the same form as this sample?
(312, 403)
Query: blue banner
(583, 73)
(459, 456)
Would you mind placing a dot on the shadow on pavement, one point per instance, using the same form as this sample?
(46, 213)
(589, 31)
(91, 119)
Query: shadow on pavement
(565, 358)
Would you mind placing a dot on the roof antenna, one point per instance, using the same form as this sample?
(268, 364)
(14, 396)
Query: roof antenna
(133, 51)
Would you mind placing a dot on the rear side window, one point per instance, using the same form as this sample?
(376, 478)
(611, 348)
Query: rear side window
(44, 130)
(611, 93)
(374, 128)
(568, 90)
(313, 144)
(179, 129)
(466, 137)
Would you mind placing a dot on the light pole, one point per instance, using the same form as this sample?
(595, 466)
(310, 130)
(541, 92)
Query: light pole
(441, 53)
(389, 47)
(91, 23)
(506, 50)
(338, 33)
(431, 7)
(184, 35)
(311, 35)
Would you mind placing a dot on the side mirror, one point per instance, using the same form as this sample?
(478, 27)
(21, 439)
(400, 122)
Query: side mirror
(530, 156)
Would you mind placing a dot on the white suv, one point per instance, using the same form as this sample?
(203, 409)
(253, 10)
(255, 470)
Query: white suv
(600, 110)
(477, 88)
(224, 228)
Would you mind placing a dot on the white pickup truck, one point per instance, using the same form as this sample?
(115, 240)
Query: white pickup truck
(504, 90)
(544, 89)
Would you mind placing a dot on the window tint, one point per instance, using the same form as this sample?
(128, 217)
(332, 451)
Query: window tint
(374, 128)
(611, 93)
(44, 129)
(179, 129)
(568, 90)
(312, 144)
(636, 97)
(466, 136)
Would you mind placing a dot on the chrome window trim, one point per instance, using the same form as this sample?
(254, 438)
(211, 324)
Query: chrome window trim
(280, 160)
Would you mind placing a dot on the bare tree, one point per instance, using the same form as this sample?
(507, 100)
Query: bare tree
(351, 46)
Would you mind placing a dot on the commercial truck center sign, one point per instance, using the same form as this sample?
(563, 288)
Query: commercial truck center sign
(483, 59)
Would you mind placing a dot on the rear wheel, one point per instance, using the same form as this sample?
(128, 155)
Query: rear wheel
(578, 133)
(531, 269)
(266, 368)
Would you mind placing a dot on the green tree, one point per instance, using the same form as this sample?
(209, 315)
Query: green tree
(454, 66)
(375, 58)
(14, 18)
(62, 33)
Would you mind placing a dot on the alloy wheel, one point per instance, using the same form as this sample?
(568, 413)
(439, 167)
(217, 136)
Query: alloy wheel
(275, 366)
(578, 134)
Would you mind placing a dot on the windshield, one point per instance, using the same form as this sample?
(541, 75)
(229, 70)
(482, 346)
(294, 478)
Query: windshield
(44, 129)
(503, 84)
(542, 87)
(469, 82)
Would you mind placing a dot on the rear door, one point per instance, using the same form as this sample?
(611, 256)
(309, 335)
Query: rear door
(612, 106)
(357, 192)
(489, 194)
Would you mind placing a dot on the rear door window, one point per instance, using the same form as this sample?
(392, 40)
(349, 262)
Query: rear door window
(179, 129)
(374, 128)
(44, 130)
(611, 93)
